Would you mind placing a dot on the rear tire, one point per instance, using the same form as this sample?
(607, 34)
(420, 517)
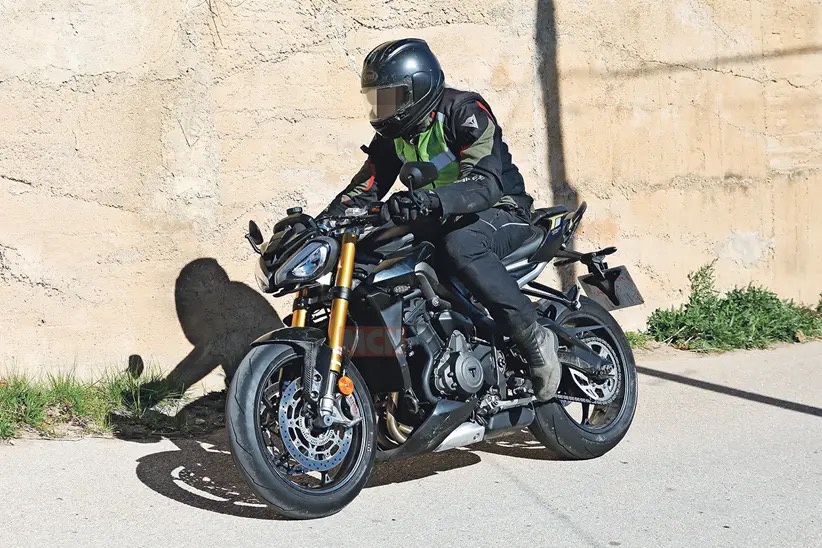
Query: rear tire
(253, 457)
(557, 430)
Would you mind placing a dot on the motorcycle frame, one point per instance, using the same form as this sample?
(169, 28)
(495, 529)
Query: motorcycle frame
(323, 352)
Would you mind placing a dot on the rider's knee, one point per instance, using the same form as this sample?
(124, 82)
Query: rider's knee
(462, 247)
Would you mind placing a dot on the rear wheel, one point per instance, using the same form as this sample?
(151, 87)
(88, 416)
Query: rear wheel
(583, 430)
(300, 471)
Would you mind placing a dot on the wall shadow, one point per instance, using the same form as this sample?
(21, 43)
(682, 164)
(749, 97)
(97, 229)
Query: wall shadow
(562, 191)
(667, 67)
(219, 317)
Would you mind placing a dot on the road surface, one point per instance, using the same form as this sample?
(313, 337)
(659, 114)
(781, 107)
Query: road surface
(724, 451)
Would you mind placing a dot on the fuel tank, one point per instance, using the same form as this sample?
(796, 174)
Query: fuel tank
(401, 267)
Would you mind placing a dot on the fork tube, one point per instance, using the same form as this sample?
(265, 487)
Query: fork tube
(339, 307)
(298, 313)
(337, 321)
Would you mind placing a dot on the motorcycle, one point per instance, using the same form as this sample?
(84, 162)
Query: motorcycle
(383, 358)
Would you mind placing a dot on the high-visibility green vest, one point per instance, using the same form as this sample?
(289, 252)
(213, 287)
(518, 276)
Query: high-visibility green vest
(432, 148)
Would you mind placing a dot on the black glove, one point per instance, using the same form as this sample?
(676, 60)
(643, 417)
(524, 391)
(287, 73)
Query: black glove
(403, 209)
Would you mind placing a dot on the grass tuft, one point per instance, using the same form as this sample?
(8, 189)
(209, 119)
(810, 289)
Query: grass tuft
(62, 401)
(21, 404)
(749, 317)
(639, 340)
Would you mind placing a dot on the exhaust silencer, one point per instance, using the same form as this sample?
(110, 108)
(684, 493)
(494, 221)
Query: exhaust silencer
(500, 424)
(465, 434)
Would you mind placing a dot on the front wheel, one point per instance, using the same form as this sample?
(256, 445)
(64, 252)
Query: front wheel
(584, 430)
(299, 470)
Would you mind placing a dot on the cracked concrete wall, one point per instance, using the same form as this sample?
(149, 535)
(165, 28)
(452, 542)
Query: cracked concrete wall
(136, 137)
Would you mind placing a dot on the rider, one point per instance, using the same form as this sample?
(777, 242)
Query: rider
(479, 195)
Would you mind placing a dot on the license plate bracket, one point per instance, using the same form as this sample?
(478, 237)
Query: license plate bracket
(614, 290)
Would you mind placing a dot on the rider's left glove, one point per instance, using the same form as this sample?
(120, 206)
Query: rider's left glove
(402, 208)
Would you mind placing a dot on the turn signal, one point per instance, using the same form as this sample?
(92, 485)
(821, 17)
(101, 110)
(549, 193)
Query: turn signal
(346, 386)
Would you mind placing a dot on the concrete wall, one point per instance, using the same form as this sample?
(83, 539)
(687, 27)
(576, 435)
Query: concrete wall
(138, 137)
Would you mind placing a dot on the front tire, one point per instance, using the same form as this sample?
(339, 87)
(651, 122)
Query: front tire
(266, 467)
(556, 428)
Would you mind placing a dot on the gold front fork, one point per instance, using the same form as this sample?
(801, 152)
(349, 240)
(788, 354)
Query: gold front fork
(336, 325)
(339, 307)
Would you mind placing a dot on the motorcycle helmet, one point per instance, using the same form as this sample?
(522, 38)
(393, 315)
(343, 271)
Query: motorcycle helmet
(402, 83)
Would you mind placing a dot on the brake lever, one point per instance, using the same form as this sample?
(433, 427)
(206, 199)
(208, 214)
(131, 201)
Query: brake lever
(414, 200)
(423, 209)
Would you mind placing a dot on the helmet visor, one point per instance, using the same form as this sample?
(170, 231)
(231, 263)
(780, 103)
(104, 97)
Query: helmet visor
(383, 103)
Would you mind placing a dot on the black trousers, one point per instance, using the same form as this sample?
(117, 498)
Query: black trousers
(472, 245)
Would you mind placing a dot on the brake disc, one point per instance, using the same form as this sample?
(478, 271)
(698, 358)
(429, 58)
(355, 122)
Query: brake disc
(314, 450)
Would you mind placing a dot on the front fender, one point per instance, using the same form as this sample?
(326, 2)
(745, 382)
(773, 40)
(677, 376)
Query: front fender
(309, 342)
(292, 336)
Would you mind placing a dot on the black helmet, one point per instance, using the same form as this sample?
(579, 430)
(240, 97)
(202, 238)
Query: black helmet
(402, 82)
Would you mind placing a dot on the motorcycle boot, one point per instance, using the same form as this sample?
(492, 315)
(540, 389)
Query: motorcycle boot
(539, 348)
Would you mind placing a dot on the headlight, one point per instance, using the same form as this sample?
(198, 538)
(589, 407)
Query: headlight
(307, 264)
(312, 264)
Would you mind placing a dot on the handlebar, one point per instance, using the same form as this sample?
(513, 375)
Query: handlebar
(359, 217)
(362, 220)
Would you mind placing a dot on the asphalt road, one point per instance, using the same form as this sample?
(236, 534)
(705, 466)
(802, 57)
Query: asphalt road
(724, 451)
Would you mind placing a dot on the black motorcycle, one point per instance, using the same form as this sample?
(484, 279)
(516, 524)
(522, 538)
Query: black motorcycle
(384, 358)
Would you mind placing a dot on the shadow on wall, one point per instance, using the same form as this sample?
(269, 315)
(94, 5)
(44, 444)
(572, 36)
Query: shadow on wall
(219, 317)
(562, 191)
(668, 67)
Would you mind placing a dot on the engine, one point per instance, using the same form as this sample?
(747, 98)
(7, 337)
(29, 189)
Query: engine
(442, 342)
(458, 370)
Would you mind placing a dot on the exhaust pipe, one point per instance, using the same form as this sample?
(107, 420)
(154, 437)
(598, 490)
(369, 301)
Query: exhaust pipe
(398, 431)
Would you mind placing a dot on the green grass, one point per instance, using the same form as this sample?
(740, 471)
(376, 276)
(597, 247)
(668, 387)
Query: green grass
(62, 400)
(639, 340)
(749, 317)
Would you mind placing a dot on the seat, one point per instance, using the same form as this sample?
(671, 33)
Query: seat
(528, 247)
(547, 213)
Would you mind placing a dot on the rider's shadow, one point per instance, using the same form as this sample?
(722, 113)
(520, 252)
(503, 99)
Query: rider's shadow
(219, 318)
